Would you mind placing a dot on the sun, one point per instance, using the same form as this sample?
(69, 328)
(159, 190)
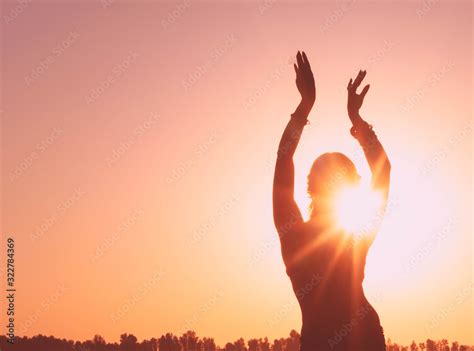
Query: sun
(358, 209)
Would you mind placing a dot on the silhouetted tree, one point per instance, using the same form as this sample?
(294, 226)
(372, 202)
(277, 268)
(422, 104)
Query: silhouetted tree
(431, 345)
(209, 344)
(128, 342)
(99, 343)
(293, 343)
(264, 344)
(240, 345)
(253, 345)
(189, 341)
(278, 345)
(169, 342)
(443, 345)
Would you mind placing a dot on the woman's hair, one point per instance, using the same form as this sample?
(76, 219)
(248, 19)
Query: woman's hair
(328, 173)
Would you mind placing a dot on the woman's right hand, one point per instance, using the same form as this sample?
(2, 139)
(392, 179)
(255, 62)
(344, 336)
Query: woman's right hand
(305, 80)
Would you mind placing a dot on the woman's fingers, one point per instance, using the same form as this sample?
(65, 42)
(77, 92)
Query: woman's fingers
(352, 86)
(364, 91)
(349, 85)
(299, 60)
(359, 79)
(306, 60)
(296, 68)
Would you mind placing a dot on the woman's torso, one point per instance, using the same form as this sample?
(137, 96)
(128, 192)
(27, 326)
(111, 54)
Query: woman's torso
(326, 268)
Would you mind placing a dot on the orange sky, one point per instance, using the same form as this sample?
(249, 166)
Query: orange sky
(138, 141)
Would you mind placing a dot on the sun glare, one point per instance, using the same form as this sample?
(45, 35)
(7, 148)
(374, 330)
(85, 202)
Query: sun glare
(357, 209)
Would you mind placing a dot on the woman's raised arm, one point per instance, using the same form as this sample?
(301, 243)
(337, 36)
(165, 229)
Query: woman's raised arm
(374, 152)
(285, 210)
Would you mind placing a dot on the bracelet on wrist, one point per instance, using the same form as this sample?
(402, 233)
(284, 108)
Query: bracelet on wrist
(363, 132)
(298, 119)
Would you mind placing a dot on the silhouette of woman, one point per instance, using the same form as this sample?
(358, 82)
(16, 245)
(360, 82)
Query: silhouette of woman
(326, 264)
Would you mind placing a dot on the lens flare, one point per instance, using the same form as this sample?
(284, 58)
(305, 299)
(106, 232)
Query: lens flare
(358, 209)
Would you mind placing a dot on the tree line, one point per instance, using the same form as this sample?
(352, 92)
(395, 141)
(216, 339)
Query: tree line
(189, 341)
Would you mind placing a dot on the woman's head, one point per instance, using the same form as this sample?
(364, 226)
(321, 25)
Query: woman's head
(330, 172)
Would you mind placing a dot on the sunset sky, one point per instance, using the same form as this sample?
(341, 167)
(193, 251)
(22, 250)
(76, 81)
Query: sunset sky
(138, 146)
